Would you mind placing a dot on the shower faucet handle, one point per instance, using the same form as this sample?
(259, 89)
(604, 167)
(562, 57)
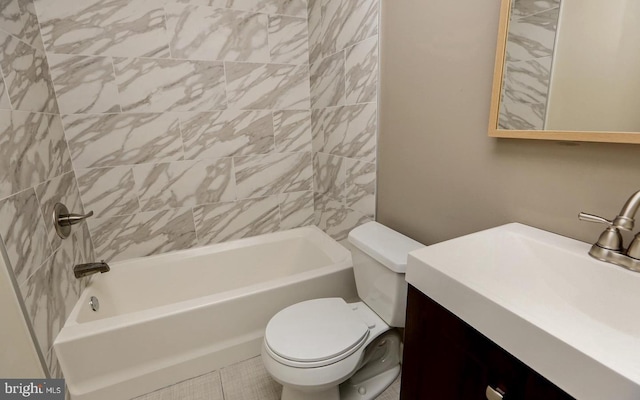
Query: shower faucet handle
(73, 219)
(63, 219)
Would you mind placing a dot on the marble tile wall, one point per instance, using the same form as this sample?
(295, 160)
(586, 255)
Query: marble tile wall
(530, 44)
(35, 173)
(343, 46)
(188, 121)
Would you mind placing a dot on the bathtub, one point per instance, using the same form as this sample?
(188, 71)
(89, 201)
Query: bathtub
(166, 318)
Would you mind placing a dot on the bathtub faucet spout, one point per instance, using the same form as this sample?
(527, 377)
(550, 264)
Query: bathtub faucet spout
(82, 270)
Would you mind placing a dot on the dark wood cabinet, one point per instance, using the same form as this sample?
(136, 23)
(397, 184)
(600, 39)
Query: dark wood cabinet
(446, 359)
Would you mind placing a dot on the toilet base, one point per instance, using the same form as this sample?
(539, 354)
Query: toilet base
(381, 366)
(293, 394)
(371, 388)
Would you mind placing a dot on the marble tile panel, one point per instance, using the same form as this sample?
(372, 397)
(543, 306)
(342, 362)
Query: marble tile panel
(296, 210)
(350, 131)
(184, 183)
(84, 84)
(32, 150)
(143, 234)
(347, 22)
(316, 34)
(5, 104)
(85, 248)
(24, 234)
(242, 5)
(296, 8)
(53, 365)
(292, 131)
(11, 20)
(124, 28)
(204, 387)
(318, 121)
(18, 18)
(226, 133)
(532, 37)
(329, 175)
(328, 82)
(108, 191)
(32, 26)
(207, 33)
(523, 8)
(335, 218)
(527, 81)
(249, 380)
(288, 40)
(123, 139)
(267, 86)
(62, 189)
(228, 221)
(51, 293)
(154, 85)
(521, 116)
(361, 186)
(265, 175)
(26, 76)
(362, 72)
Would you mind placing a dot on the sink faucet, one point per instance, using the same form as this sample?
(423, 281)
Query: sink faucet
(609, 247)
(82, 270)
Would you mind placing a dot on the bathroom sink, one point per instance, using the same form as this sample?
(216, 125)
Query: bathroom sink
(541, 297)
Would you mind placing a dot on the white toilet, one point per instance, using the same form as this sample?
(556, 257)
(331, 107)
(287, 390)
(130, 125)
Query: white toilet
(328, 349)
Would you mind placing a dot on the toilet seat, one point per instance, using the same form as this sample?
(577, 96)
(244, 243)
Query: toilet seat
(315, 333)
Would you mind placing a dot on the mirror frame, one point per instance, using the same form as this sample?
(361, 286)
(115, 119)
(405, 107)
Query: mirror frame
(498, 78)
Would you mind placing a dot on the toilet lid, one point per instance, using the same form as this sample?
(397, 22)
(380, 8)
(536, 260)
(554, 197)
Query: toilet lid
(315, 330)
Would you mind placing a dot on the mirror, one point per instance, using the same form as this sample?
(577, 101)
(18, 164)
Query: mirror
(568, 70)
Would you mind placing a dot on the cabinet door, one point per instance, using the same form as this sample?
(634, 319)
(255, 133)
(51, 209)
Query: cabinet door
(537, 387)
(445, 359)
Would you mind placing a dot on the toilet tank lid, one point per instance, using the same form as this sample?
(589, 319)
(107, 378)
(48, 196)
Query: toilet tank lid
(385, 245)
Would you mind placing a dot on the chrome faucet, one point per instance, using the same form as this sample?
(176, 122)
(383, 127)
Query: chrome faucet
(82, 270)
(609, 247)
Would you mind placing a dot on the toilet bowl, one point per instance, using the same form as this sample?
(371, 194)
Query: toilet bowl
(328, 349)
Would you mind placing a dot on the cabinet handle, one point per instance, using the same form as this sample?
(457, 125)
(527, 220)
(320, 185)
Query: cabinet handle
(494, 394)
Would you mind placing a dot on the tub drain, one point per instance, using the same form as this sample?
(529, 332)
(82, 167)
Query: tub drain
(94, 303)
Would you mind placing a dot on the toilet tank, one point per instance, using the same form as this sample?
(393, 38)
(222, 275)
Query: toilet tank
(379, 264)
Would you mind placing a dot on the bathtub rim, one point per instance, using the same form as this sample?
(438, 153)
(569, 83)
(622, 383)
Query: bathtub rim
(340, 256)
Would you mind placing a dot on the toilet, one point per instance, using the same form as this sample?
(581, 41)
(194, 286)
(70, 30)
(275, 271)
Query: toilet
(328, 349)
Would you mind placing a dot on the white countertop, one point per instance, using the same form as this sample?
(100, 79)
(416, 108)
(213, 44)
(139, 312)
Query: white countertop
(541, 297)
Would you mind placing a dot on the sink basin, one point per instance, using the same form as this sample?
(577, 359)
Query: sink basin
(541, 297)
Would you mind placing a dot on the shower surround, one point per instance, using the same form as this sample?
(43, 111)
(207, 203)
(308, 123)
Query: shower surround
(188, 122)
(180, 123)
(35, 173)
(343, 45)
(202, 121)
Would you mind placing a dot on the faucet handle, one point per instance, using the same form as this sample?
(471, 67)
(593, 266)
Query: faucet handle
(610, 239)
(594, 218)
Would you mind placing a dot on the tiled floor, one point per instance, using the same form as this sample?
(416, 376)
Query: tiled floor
(247, 380)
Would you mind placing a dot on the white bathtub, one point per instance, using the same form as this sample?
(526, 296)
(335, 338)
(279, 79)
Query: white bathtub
(167, 318)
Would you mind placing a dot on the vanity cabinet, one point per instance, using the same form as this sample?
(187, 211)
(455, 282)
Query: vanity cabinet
(446, 359)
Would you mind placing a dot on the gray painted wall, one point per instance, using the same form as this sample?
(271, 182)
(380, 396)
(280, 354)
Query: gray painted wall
(440, 176)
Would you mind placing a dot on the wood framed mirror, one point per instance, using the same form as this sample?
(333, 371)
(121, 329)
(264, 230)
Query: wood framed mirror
(567, 70)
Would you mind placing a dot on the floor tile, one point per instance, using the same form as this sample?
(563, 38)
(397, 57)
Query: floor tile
(392, 392)
(205, 387)
(249, 380)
